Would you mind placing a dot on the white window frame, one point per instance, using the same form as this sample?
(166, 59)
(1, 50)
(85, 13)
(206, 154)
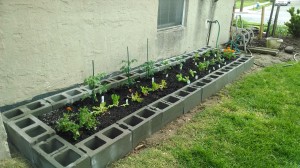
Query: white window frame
(182, 21)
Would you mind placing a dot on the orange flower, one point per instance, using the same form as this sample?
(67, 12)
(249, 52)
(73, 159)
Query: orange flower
(69, 109)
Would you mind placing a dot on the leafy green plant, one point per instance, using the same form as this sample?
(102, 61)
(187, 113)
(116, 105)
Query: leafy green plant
(163, 84)
(167, 66)
(87, 119)
(294, 23)
(97, 110)
(206, 54)
(192, 73)
(95, 82)
(145, 90)
(136, 97)
(126, 68)
(212, 62)
(64, 124)
(115, 98)
(180, 78)
(203, 66)
(229, 53)
(180, 60)
(155, 86)
(196, 57)
(148, 67)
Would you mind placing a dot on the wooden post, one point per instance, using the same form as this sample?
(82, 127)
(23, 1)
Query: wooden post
(270, 19)
(242, 6)
(261, 30)
(275, 21)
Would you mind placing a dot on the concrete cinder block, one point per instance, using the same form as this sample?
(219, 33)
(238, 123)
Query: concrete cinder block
(153, 116)
(26, 132)
(209, 87)
(221, 79)
(170, 106)
(56, 152)
(14, 114)
(106, 146)
(75, 94)
(58, 100)
(140, 128)
(191, 96)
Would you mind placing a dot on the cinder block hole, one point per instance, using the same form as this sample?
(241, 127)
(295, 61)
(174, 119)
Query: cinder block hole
(171, 99)
(25, 123)
(182, 94)
(73, 92)
(133, 121)
(219, 73)
(199, 84)
(33, 132)
(206, 80)
(224, 70)
(213, 76)
(228, 68)
(160, 105)
(123, 126)
(58, 98)
(34, 106)
(67, 157)
(13, 113)
(112, 133)
(200, 50)
(245, 59)
(51, 146)
(139, 71)
(189, 89)
(94, 143)
(145, 113)
(118, 78)
(241, 60)
(105, 82)
(236, 63)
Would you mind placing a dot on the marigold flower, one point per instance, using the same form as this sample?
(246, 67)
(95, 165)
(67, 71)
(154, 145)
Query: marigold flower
(69, 109)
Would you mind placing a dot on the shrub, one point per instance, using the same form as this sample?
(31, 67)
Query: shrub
(294, 23)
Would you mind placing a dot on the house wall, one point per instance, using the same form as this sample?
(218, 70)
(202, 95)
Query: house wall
(49, 45)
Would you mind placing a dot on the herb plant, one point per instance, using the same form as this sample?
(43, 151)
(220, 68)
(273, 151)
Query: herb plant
(192, 73)
(87, 119)
(94, 82)
(148, 67)
(97, 110)
(66, 125)
(180, 78)
(115, 98)
(136, 97)
(163, 84)
(145, 90)
(203, 66)
(196, 57)
(155, 86)
(126, 68)
(167, 66)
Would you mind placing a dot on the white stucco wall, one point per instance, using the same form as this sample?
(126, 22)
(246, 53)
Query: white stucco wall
(48, 45)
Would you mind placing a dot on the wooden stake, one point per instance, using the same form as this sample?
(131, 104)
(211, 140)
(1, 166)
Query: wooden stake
(275, 21)
(261, 30)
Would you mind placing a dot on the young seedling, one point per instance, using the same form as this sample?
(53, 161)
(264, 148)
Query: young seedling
(95, 82)
(207, 54)
(126, 68)
(87, 119)
(180, 60)
(212, 62)
(115, 98)
(196, 57)
(167, 66)
(145, 90)
(148, 66)
(163, 85)
(155, 86)
(136, 97)
(192, 73)
(66, 125)
(180, 78)
(97, 110)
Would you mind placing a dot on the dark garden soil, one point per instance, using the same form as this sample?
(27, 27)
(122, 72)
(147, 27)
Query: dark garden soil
(116, 113)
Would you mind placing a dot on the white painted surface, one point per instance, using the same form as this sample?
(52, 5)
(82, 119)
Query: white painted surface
(48, 45)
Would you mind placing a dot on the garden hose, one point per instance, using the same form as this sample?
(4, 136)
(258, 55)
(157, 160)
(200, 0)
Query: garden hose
(215, 21)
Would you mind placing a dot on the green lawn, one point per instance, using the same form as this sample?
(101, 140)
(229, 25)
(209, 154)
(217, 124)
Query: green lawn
(256, 125)
(248, 3)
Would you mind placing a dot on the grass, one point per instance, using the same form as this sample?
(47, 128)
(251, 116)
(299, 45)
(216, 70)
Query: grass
(256, 125)
(247, 3)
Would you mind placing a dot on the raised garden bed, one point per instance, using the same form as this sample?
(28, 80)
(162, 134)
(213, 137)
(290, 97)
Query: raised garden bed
(119, 129)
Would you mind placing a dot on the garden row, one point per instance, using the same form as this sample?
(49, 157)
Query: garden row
(40, 143)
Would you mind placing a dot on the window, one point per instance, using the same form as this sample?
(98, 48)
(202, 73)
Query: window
(170, 13)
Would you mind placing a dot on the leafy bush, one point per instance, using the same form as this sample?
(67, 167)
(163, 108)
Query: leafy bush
(294, 23)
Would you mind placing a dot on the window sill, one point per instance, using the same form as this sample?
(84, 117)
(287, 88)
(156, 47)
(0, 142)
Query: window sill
(171, 29)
